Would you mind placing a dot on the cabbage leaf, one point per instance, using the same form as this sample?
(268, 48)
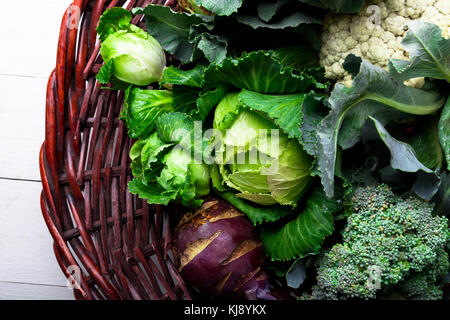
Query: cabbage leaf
(220, 7)
(429, 53)
(191, 78)
(256, 214)
(173, 31)
(163, 165)
(305, 234)
(193, 37)
(259, 71)
(113, 20)
(142, 108)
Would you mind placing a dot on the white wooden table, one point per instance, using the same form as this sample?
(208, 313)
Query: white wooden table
(28, 35)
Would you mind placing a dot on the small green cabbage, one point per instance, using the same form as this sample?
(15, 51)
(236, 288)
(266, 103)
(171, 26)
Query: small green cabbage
(256, 158)
(181, 173)
(163, 166)
(130, 54)
(138, 58)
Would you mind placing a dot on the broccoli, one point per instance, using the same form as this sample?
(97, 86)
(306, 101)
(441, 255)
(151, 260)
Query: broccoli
(422, 285)
(389, 243)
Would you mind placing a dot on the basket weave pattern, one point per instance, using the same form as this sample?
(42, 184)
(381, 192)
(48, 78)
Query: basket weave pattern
(121, 245)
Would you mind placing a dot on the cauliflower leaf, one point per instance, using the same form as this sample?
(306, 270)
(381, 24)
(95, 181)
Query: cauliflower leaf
(374, 93)
(444, 132)
(305, 234)
(429, 53)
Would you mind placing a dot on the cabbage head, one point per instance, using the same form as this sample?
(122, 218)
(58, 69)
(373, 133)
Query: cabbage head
(256, 158)
(131, 55)
(164, 167)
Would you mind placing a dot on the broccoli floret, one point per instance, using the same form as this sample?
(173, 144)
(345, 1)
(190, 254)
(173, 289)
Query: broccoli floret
(422, 285)
(388, 241)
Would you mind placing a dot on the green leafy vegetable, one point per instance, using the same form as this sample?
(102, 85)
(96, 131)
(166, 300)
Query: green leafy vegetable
(429, 53)
(296, 274)
(113, 20)
(313, 112)
(291, 21)
(404, 158)
(177, 128)
(131, 55)
(444, 131)
(442, 197)
(190, 78)
(305, 234)
(220, 7)
(164, 166)
(106, 72)
(208, 99)
(193, 37)
(373, 93)
(285, 110)
(256, 214)
(265, 165)
(214, 47)
(426, 185)
(142, 108)
(267, 9)
(146, 155)
(297, 57)
(152, 193)
(185, 99)
(425, 143)
(173, 30)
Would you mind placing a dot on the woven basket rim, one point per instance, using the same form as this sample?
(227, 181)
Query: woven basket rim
(112, 244)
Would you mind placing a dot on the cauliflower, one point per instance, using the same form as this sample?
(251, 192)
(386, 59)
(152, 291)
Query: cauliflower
(376, 32)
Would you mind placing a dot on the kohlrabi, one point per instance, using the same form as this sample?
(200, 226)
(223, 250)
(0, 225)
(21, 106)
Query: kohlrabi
(258, 159)
(219, 253)
(131, 55)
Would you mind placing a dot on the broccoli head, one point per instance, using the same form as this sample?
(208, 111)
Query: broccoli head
(389, 241)
(422, 285)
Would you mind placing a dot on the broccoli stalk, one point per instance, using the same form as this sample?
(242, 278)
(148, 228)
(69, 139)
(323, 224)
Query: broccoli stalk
(389, 244)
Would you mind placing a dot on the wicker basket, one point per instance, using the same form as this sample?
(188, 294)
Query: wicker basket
(120, 245)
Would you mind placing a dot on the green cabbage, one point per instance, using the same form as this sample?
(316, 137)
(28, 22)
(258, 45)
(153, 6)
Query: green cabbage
(163, 168)
(257, 159)
(131, 55)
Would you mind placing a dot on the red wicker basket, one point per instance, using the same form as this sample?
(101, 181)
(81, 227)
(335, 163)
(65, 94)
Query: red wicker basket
(120, 244)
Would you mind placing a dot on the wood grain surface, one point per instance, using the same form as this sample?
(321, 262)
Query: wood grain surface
(28, 269)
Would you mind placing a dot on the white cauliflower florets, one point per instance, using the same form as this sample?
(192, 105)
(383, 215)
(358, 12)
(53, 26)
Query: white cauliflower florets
(359, 33)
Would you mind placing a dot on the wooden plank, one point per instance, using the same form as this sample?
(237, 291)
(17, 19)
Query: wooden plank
(29, 47)
(22, 126)
(25, 291)
(26, 247)
(28, 56)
